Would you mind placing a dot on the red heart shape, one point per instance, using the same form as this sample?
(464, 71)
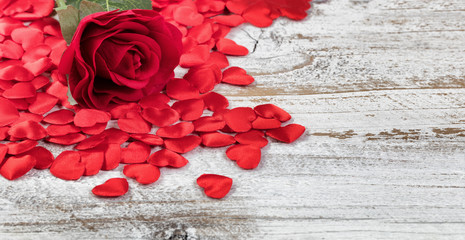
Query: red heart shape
(167, 158)
(91, 142)
(150, 139)
(43, 103)
(136, 152)
(68, 166)
(11, 50)
(120, 111)
(181, 89)
(16, 166)
(237, 76)
(134, 123)
(113, 187)
(68, 139)
(61, 130)
(219, 59)
(94, 130)
(265, 123)
(3, 152)
(90, 117)
(93, 161)
(184, 144)
(176, 131)
(258, 15)
(202, 33)
(112, 156)
(229, 47)
(240, 119)
(287, 133)
(20, 90)
(197, 55)
(28, 129)
(8, 112)
(28, 37)
(204, 77)
(15, 148)
(154, 100)
(143, 173)
(215, 186)
(216, 139)
(190, 109)
(16, 72)
(272, 111)
(40, 66)
(44, 158)
(187, 15)
(252, 137)
(160, 117)
(116, 136)
(208, 124)
(246, 156)
(35, 53)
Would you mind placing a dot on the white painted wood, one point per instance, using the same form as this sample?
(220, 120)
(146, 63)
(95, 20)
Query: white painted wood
(380, 87)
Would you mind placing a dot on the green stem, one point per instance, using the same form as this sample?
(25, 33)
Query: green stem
(61, 3)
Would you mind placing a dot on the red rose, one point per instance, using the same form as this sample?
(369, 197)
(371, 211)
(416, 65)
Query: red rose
(119, 57)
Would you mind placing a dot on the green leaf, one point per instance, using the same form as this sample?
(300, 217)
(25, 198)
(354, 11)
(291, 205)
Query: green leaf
(110, 5)
(87, 8)
(74, 3)
(69, 20)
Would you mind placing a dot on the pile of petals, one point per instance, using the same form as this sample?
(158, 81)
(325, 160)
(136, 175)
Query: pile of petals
(186, 115)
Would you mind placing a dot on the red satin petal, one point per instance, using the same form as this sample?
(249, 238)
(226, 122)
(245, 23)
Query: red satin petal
(229, 47)
(7, 25)
(265, 123)
(68, 166)
(43, 103)
(8, 112)
(93, 161)
(40, 81)
(184, 144)
(246, 156)
(204, 78)
(215, 101)
(252, 137)
(28, 37)
(58, 90)
(134, 123)
(160, 117)
(116, 136)
(229, 20)
(154, 100)
(36, 53)
(258, 16)
(38, 67)
(181, 89)
(90, 117)
(237, 76)
(15, 148)
(208, 124)
(149, 139)
(195, 56)
(121, 110)
(143, 173)
(21, 104)
(68, 139)
(201, 33)
(219, 59)
(272, 111)
(216, 139)
(3, 152)
(20, 90)
(190, 109)
(113, 187)
(187, 15)
(62, 130)
(176, 131)
(11, 50)
(167, 158)
(94, 130)
(287, 134)
(215, 186)
(44, 158)
(16, 166)
(3, 134)
(112, 156)
(25, 116)
(62, 116)
(16, 72)
(136, 152)
(240, 119)
(27, 129)
(90, 142)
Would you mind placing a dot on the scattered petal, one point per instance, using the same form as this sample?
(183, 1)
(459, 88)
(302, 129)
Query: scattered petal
(150, 139)
(216, 139)
(62, 116)
(15, 148)
(229, 47)
(68, 166)
(181, 89)
(215, 101)
(240, 119)
(43, 103)
(237, 76)
(246, 156)
(90, 117)
(136, 152)
(160, 117)
(16, 166)
(265, 123)
(66, 140)
(93, 161)
(272, 111)
(90, 142)
(8, 112)
(62, 130)
(184, 144)
(252, 137)
(44, 158)
(113, 187)
(208, 124)
(167, 158)
(27, 129)
(176, 131)
(215, 186)
(143, 173)
(134, 123)
(190, 109)
(287, 134)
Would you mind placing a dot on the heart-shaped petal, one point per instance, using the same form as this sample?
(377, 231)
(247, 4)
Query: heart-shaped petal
(8, 112)
(115, 136)
(167, 158)
(216, 139)
(43, 103)
(154, 100)
(93, 161)
(196, 56)
(176, 131)
(215, 101)
(113, 187)
(240, 119)
(204, 77)
(62, 116)
(11, 50)
(215, 186)
(272, 111)
(27, 129)
(229, 47)
(237, 76)
(3, 152)
(136, 152)
(265, 123)
(67, 140)
(246, 156)
(44, 158)
(187, 15)
(208, 124)
(20, 90)
(91, 142)
(190, 109)
(143, 173)
(287, 134)
(28, 37)
(120, 111)
(184, 144)
(15, 148)
(16, 72)
(219, 59)
(160, 117)
(16, 166)
(134, 123)
(62, 130)
(181, 89)
(252, 137)
(94, 130)
(68, 166)
(150, 139)
(90, 117)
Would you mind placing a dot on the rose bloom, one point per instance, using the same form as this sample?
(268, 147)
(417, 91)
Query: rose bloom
(120, 56)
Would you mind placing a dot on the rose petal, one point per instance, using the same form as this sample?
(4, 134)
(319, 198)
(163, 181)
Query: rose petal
(44, 158)
(215, 186)
(43, 103)
(154, 100)
(184, 144)
(204, 78)
(229, 47)
(160, 117)
(90, 142)
(134, 123)
(20, 90)
(181, 89)
(94, 130)
(3, 152)
(190, 109)
(272, 111)
(7, 25)
(219, 59)
(229, 20)
(15, 148)
(187, 15)
(40, 81)
(136, 152)
(68, 139)
(8, 112)
(11, 50)
(208, 124)
(252, 137)
(143, 173)
(62, 116)
(246, 156)
(112, 156)
(240, 119)
(215, 101)
(16, 166)
(68, 166)
(27, 129)
(28, 37)
(61, 130)
(90, 117)
(237, 76)
(195, 56)
(115, 136)
(149, 139)
(16, 72)
(35, 53)
(287, 134)
(121, 110)
(176, 131)
(216, 139)
(167, 158)
(93, 161)
(265, 123)
(113, 187)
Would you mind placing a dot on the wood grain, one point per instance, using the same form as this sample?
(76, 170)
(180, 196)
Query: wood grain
(380, 86)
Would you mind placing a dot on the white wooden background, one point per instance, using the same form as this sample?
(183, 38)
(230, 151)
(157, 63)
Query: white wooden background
(379, 84)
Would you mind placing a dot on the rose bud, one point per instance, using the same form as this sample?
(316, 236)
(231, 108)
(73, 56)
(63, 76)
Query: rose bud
(119, 57)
